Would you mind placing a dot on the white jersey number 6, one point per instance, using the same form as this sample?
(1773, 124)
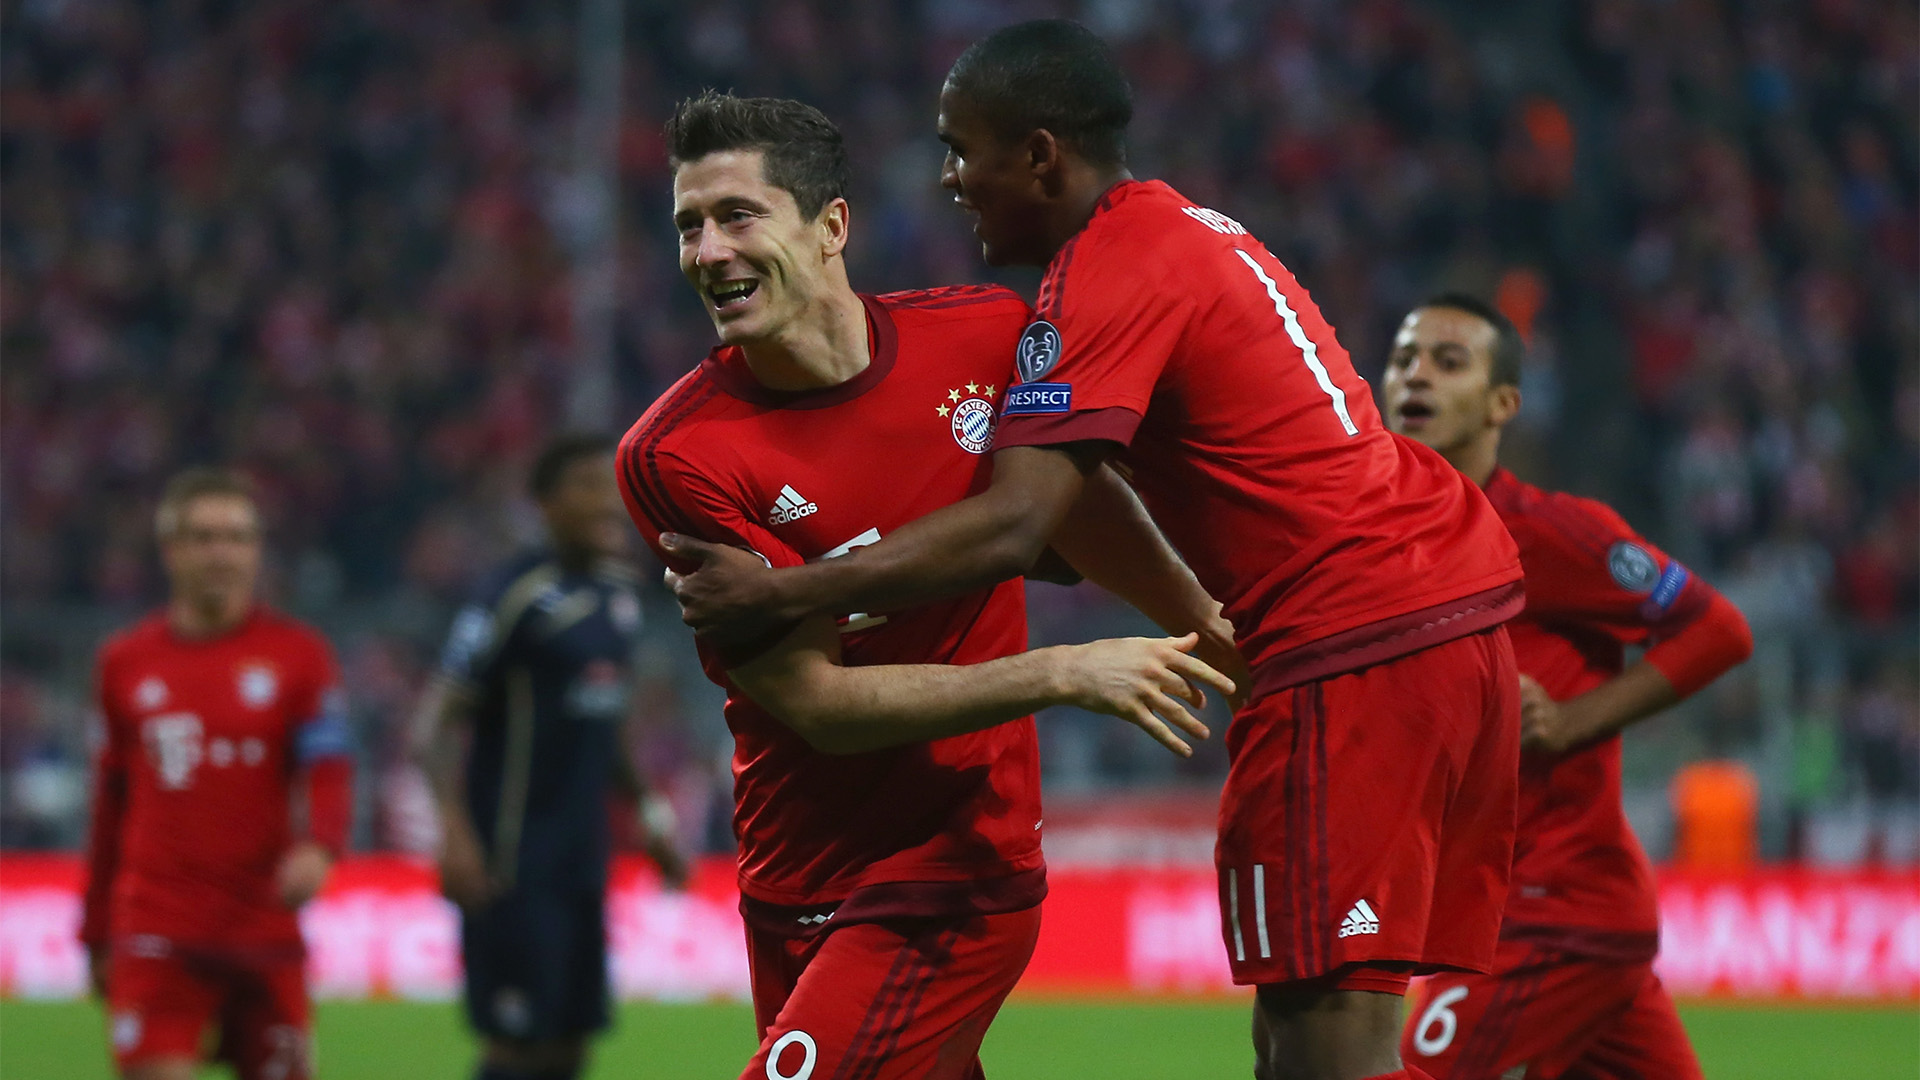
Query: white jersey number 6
(1439, 1014)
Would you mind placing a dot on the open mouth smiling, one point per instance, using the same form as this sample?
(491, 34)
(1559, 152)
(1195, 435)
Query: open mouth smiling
(726, 294)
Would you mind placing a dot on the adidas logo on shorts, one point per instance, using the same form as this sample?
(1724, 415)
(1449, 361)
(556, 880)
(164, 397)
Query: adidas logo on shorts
(790, 506)
(1360, 920)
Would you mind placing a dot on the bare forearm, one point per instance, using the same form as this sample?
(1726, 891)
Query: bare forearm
(1614, 705)
(439, 750)
(977, 542)
(849, 710)
(625, 774)
(970, 545)
(1111, 540)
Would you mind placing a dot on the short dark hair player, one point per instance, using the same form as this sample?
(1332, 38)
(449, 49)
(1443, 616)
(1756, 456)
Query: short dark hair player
(1572, 991)
(522, 735)
(886, 765)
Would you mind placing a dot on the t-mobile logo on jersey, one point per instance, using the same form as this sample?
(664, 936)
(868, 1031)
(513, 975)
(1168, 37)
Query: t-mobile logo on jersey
(790, 506)
(173, 743)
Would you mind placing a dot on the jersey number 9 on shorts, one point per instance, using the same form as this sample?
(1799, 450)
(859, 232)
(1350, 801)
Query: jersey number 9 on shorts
(809, 1055)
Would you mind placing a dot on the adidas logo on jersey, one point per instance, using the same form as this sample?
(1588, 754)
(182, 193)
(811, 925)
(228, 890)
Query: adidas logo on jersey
(1360, 920)
(790, 506)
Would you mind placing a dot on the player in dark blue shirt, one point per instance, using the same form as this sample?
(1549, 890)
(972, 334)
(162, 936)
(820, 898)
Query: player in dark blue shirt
(535, 683)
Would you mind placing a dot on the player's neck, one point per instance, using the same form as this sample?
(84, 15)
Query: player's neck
(191, 620)
(825, 347)
(1477, 459)
(1081, 198)
(575, 558)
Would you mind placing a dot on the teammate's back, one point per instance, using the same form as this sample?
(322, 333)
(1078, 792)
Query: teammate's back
(1255, 434)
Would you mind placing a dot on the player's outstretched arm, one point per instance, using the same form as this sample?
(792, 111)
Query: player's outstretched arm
(1111, 540)
(734, 597)
(847, 710)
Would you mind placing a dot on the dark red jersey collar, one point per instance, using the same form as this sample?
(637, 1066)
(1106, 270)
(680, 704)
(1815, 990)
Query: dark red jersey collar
(727, 367)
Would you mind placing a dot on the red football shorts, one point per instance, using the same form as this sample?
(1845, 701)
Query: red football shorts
(164, 1001)
(904, 1000)
(1368, 818)
(1549, 1014)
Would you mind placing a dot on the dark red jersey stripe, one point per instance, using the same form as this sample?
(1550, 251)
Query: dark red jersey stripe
(1053, 286)
(934, 956)
(1299, 868)
(872, 1024)
(642, 465)
(1322, 864)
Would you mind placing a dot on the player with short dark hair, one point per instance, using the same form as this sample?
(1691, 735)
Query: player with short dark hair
(886, 774)
(1052, 75)
(1366, 826)
(522, 736)
(1572, 991)
(223, 793)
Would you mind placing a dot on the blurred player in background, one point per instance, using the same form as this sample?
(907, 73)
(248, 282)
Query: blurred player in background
(1573, 992)
(522, 736)
(886, 774)
(1366, 826)
(224, 792)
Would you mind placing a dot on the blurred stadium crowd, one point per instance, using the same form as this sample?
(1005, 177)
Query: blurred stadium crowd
(328, 241)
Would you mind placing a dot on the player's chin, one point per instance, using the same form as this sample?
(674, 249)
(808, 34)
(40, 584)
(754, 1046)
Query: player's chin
(740, 329)
(1000, 253)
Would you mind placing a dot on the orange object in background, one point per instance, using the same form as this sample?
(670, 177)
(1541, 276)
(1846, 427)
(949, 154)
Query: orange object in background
(1716, 809)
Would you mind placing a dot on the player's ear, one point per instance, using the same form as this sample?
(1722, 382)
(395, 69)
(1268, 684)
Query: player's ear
(1043, 154)
(835, 219)
(1503, 404)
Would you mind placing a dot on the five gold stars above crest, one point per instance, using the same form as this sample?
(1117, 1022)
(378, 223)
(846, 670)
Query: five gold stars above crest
(955, 395)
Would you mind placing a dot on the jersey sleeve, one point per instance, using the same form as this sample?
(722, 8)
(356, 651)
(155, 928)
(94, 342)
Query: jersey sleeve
(666, 493)
(1589, 567)
(483, 629)
(109, 811)
(1087, 365)
(323, 746)
(470, 649)
(322, 726)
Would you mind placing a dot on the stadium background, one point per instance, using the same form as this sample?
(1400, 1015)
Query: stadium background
(360, 247)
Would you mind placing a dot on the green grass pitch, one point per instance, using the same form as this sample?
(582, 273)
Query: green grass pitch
(1034, 1039)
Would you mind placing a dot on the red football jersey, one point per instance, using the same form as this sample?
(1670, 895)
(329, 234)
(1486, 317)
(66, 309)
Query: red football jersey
(202, 744)
(1594, 587)
(806, 476)
(1168, 329)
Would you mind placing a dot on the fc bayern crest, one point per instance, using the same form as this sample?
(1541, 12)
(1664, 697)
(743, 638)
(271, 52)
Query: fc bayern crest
(258, 686)
(973, 425)
(1038, 351)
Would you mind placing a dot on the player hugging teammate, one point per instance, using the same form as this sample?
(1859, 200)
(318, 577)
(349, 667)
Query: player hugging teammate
(886, 773)
(847, 492)
(1367, 826)
(1572, 991)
